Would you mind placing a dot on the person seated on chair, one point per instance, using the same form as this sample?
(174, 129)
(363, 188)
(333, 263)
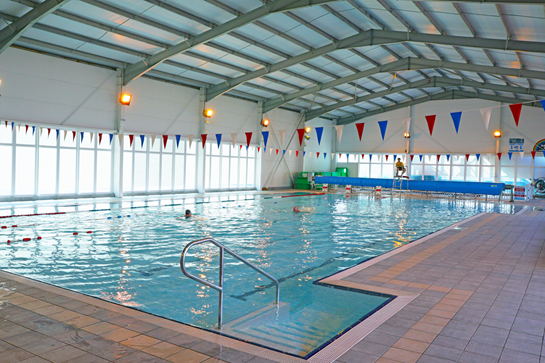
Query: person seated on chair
(400, 168)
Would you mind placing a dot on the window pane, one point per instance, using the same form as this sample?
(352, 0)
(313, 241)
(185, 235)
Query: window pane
(376, 171)
(67, 171)
(24, 170)
(47, 181)
(524, 176)
(443, 172)
(190, 172)
(139, 172)
(363, 171)
(472, 174)
(526, 161)
(429, 172)
(181, 147)
(472, 160)
(25, 138)
(416, 171)
(50, 140)
(244, 153)
(5, 135)
(341, 158)
(506, 162)
(507, 175)
(457, 173)
(154, 171)
(251, 173)
(104, 170)
(156, 144)
(5, 167)
(225, 173)
(86, 143)
(487, 174)
(538, 173)
(170, 143)
(166, 172)
(233, 171)
(127, 171)
(192, 149)
(207, 173)
(388, 170)
(225, 150)
(215, 173)
(215, 150)
(443, 160)
(488, 159)
(86, 171)
(242, 173)
(127, 143)
(251, 152)
(67, 140)
(179, 175)
(104, 141)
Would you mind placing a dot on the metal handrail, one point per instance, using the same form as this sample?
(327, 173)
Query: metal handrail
(220, 287)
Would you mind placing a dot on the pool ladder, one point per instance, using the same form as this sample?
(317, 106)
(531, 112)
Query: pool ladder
(219, 287)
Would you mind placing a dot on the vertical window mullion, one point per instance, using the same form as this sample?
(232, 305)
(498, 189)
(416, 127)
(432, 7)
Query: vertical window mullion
(95, 177)
(13, 160)
(77, 161)
(36, 162)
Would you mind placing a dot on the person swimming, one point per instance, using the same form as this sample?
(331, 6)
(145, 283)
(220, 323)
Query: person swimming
(187, 213)
(296, 210)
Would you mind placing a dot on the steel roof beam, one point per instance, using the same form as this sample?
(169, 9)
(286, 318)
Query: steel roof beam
(377, 37)
(514, 2)
(427, 83)
(136, 70)
(12, 31)
(447, 95)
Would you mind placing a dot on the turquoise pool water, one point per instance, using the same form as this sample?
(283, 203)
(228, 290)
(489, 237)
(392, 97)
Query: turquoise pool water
(135, 261)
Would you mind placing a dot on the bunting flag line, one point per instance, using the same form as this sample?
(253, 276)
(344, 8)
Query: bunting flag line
(515, 110)
(412, 157)
(120, 136)
(339, 130)
(178, 141)
(456, 117)
(248, 138)
(218, 139)
(233, 139)
(301, 133)
(165, 140)
(486, 113)
(26, 129)
(383, 125)
(370, 157)
(510, 155)
(258, 149)
(131, 138)
(387, 157)
(142, 139)
(420, 158)
(360, 127)
(190, 138)
(73, 135)
(82, 133)
(203, 139)
(346, 157)
(319, 132)
(448, 157)
(152, 140)
(438, 157)
(270, 151)
(48, 132)
(240, 147)
(282, 133)
(499, 156)
(431, 122)
(478, 156)
(467, 157)
(58, 134)
(33, 130)
(310, 154)
(265, 137)
(332, 156)
(362, 156)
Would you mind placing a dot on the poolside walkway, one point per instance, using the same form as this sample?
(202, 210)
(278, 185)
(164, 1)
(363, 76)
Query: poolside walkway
(476, 294)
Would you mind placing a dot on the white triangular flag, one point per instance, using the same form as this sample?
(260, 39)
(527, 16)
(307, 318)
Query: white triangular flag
(234, 138)
(65, 132)
(332, 156)
(489, 157)
(120, 138)
(41, 131)
(91, 136)
(521, 154)
(19, 128)
(190, 138)
(282, 133)
(310, 154)
(486, 113)
(339, 132)
(406, 124)
(290, 152)
(270, 151)
(152, 140)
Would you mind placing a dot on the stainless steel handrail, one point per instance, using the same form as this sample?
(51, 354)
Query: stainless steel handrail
(219, 287)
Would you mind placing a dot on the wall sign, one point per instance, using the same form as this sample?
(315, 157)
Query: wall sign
(516, 145)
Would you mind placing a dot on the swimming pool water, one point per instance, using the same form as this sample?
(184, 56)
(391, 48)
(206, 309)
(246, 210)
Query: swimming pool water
(134, 260)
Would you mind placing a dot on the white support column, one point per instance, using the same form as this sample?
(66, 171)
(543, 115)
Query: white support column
(200, 150)
(497, 167)
(117, 146)
(258, 158)
(410, 142)
(334, 146)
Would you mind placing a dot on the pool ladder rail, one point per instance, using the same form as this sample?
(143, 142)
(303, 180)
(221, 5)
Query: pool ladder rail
(219, 287)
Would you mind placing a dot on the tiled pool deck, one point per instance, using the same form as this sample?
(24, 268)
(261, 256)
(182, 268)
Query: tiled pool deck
(472, 293)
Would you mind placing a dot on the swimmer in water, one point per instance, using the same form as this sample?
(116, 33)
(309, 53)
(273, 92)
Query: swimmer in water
(296, 210)
(187, 213)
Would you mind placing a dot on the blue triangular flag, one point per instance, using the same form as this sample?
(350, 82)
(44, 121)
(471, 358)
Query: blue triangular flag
(304, 152)
(12, 125)
(319, 132)
(142, 138)
(420, 158)
(543, 103)
(456, 117)
(346, 157)
(283, 152)
(383, 125)
(370, 157)
(448, 157)
(264, 149)
(478, 156)
(544, 153)
(395, 156)
(177, 141)
(218, 138)
(265, 137)
(111, 138)
(510, 154)
(58, 134)
(325, 154)
(82, 133)
(33, 129)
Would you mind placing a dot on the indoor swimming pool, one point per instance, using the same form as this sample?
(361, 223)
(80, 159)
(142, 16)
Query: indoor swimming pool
(132, 257)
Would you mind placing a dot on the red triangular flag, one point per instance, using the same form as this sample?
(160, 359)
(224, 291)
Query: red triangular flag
(296, 153)
(515, 110)
(248, 138)
(301, 133)
(240, 148)
(99, 138)
(165, 139)
(499, 156)
(203, 138)
(73, 135)
(26, 129)
(276, 151)
(438, 157)
(48, 132)
(431, 122)
(362, 155)
(131, 137)
(412, 157)
(360, 128)
(340, 155)
(317, 155)
(387, 157)
(467, 157)
(533, 154)
(258, 148)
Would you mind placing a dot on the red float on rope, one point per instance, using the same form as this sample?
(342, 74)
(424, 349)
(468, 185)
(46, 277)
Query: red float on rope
(26, 239)
(9, 241)
(39, 238)
(14, 226)
(89, 232)
(75, 233)
(4, 227)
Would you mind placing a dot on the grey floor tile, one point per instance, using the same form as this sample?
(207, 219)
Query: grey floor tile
(512, 356)
(235, 356)
(484, 349)
(354, 356)
(469, 357)
(443, 352)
